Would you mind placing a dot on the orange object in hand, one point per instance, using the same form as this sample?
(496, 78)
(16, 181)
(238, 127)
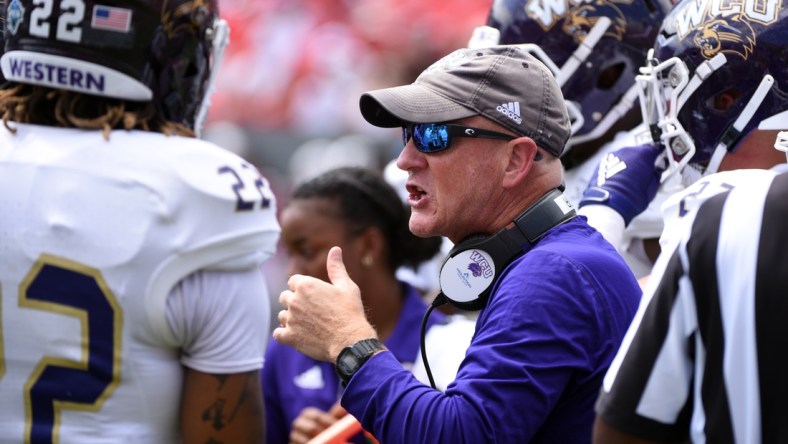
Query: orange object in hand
(341, 431)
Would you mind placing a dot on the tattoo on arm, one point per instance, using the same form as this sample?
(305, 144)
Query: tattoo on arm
(217, 412)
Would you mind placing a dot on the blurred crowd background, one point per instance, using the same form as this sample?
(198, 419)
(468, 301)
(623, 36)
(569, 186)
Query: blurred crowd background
(288, 88)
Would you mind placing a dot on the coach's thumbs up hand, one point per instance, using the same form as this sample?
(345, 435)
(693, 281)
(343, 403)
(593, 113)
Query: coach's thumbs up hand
(321, 318)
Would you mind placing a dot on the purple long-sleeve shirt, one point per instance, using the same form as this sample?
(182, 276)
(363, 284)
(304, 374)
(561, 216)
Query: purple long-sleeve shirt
(292, 381)
(535, 365)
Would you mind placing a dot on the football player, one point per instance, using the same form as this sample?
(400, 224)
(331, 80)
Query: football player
(133, 304)
(714, 93)
(594, 49)
(697, 364)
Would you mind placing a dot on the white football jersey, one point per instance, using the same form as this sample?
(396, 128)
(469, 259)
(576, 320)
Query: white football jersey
(96, 238)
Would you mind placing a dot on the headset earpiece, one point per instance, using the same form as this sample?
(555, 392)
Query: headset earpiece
(473, 273)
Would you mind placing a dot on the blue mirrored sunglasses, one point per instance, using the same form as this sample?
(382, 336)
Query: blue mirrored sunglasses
(434, 137)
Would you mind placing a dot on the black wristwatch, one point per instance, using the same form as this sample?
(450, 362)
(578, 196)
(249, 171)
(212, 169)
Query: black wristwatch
(352, 357)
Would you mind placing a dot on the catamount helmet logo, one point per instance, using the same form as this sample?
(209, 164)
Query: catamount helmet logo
(726, 26)
(720, 36)
(581, 18)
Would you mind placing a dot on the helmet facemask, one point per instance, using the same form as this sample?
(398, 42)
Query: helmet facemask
(663, 90)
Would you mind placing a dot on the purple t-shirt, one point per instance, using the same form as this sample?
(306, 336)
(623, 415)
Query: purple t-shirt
(535, 366)
(292, 381)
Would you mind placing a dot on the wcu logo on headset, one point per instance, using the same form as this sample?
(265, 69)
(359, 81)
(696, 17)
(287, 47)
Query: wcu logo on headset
(480, 265)
(455, 278)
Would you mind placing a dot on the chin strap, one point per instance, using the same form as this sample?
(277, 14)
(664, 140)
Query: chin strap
(732, 135)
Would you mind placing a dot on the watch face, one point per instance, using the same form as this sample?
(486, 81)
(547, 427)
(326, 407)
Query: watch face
(352, 357)
(347, 362)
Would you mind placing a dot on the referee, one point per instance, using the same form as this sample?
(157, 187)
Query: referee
(706, 358)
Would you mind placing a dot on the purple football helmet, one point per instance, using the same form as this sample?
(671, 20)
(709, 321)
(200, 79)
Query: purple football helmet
(717, 71)
(167, 51)
(594, 48)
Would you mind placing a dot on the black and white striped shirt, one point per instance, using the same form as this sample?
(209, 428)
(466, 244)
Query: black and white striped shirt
(706, 356)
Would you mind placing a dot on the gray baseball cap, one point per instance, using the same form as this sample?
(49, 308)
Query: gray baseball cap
(502, 83)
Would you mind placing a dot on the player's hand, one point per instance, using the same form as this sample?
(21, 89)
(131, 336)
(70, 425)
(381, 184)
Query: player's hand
(321, 318)
(626, 180)
(311, 421)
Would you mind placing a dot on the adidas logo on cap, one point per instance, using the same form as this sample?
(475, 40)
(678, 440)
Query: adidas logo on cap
(511, 110)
